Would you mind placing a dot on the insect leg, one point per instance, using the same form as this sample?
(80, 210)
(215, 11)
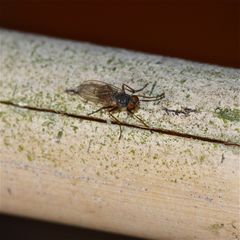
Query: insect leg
(126, 87)
(113, 117)
(151, 99)
(109, 110)
(98, 110)
(137, 117)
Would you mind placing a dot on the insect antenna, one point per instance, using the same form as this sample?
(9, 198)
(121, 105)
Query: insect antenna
(151, 99)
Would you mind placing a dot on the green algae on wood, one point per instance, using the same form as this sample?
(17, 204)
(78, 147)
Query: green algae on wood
(227, 114)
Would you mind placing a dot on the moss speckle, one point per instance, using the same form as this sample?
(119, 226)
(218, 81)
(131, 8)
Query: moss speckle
(20, 148)
(227, 114)
(182, 81)
(6, 141)
(216, 227)
(211, 122)
(201, 159)
(29, 157)
(1, 114)
(74, 128)
(47, 123)
(59, 135)
(132, 151)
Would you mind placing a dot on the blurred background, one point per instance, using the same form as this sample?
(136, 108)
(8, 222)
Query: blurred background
(200, 30)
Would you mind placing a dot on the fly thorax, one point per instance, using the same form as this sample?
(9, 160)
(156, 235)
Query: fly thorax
(122, 99)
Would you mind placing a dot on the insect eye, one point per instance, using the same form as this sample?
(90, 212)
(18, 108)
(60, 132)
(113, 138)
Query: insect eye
(131, 106)
(135, 99)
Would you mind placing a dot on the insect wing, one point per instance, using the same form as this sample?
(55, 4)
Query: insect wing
(97, 92)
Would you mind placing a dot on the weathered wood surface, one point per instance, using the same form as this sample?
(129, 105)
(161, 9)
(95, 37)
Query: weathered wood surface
(162, 185)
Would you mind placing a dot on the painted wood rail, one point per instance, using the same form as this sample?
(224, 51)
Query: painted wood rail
(178, 181)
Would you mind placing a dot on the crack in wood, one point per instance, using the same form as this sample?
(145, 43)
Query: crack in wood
(95, 119)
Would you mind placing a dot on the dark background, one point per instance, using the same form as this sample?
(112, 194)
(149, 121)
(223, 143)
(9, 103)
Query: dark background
(28, 229)
(200, 30)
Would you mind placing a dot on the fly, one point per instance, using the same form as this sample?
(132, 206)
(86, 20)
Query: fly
(113, 98)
